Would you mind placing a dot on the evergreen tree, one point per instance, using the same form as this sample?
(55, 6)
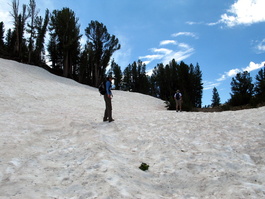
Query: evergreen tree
(19, 24)
(10, 42)
(55, 54)
(102, 45)
(242, 89)
(186, 86)
(33, 13)
(216, 98)
(127, 76)
(158, 81)
(65, 38)
(260, 85)
(41, 28)
(85, 66)
(116, 70)
(154, 89)
(188, 79)
(198, 86)
(142, 84)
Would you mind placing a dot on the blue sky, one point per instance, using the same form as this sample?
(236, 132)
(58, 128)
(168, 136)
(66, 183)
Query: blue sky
(223, 37)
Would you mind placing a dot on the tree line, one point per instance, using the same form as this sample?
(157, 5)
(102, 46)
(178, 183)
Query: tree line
(88, 64)
(243, 90)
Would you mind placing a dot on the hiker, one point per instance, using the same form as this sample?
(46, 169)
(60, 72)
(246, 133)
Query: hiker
(107, 97)
(178, 99)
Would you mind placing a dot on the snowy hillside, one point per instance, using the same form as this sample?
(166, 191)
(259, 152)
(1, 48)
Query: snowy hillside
(54, 144)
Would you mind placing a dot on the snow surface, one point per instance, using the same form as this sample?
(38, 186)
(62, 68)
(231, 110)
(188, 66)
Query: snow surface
(54, 144)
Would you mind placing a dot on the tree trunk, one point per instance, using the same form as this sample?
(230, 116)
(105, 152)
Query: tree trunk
(65, 64)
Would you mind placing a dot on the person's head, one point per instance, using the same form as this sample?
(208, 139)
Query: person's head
(110, 77)
(177, 91)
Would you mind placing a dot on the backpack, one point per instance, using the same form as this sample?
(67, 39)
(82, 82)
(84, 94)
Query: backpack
(177, 96)
(102, 88)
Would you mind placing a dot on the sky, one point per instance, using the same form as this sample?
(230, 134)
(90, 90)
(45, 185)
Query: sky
(223, 37)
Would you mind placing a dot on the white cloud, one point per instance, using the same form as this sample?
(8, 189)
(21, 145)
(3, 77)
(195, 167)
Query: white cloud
(166, 55)
(178, 55)
(233, 72)
(261, 46)
(228, 74)
(162, 50)
(179, 51)
(190, 34)
(151, 57)
(222, 78)
(166, 42)
(209, 85)
(193, 23)
(244, 12)
(252, 66)
(183, 45)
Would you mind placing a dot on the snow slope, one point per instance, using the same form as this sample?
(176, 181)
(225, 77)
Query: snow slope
(54, 144)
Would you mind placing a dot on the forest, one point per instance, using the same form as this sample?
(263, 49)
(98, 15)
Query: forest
(88, 64)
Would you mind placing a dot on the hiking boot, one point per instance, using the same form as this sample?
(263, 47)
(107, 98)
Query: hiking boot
(105, 119)
(111, 120)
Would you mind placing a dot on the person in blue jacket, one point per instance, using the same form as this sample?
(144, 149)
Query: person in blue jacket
(107, 97)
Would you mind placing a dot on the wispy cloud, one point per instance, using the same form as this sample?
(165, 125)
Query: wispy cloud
(149, 58)
(194, 23)
(210, 85)
(231, 73)
(162, 50)
(166, 42)
(260, 46)
(175, 50)
(190, 34)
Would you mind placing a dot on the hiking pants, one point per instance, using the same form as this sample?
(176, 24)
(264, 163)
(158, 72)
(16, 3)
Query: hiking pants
(108, 110)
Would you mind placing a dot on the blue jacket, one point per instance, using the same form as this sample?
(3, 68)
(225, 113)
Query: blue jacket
(108, 88)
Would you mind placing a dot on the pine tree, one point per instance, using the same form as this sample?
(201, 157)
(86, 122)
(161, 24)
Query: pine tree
(198, 86)
(216, 98)
(127, 74)
(260, 85)
(10, 42)
(242, 89)
(65, 29)
(33, 13)
(19, 23)
(116, 71)
(85, 66)
(41, 27)
(55, 54)
(102, 45)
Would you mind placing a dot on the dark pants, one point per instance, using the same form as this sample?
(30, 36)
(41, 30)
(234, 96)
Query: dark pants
(108, 110)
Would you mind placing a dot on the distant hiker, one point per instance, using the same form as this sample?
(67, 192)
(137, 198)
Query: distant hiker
(107, 97)
(178, 99)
